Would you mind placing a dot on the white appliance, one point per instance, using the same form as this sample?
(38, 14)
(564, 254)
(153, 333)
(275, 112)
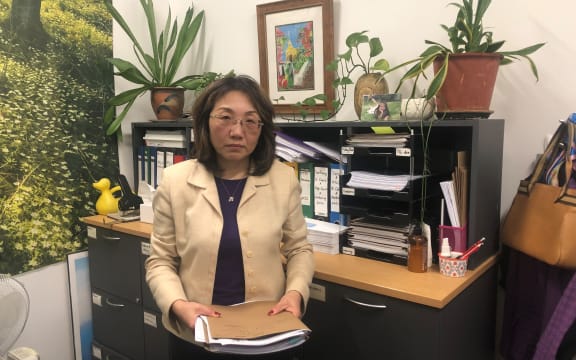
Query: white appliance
(14, 309)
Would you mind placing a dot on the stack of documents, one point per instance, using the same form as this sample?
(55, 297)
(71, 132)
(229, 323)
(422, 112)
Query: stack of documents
(248, 329)
(165, 138)
(326, 150)
(379, 140)
(366, 233)
(293, 149)
(325, 236)
(376, 181)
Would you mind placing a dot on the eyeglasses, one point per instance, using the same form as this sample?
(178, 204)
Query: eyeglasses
(227, 121)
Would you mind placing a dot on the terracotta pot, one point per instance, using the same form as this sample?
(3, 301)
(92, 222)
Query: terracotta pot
(167, 102)
(469, 82)
(368, 84)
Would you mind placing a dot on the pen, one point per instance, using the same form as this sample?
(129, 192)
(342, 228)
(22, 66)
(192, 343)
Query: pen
(472, 249)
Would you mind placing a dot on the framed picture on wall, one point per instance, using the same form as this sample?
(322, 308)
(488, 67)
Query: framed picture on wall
(81, 304)
(296, 42)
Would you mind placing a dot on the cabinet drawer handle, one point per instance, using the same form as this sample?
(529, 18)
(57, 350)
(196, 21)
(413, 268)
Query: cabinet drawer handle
(372, 306)
(113, 304)
(111, 238)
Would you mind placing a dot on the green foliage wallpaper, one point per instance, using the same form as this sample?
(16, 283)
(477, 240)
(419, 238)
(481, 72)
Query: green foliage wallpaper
(54, 81)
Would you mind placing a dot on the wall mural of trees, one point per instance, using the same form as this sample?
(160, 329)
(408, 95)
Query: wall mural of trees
(54, 81)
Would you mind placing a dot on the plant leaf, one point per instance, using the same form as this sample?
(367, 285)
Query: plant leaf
(128, 71)
(356, 38)
(438, 79)
(127, 96)
(381, 65)
(524, 51)
(375, 47)
(114, 125)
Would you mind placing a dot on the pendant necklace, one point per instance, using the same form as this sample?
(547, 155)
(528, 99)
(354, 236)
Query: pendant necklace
(232, 195)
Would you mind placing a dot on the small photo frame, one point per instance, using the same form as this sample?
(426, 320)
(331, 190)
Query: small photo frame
(381, 107)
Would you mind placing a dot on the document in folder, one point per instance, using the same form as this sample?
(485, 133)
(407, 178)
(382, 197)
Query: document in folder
(248, 329)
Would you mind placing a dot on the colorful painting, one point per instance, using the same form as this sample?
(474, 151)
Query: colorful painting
(295, 56)
(295, 42)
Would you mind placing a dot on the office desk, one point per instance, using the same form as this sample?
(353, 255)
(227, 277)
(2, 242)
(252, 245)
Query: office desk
(426, 315)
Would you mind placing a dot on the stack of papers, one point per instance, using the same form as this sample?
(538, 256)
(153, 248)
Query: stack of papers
(326, 150)
(379, 140)
(325, 236)
(365, 233)
(293, 149)
(165, 138)
(375, 181)
(247, 328)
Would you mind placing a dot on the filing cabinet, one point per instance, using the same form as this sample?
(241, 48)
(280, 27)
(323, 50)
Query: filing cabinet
(101, 352)
(126, 322)
(354, 324)
(157, 341)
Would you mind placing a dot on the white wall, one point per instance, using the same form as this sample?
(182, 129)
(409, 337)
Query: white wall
(531, 109)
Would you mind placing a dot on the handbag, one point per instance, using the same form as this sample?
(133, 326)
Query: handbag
(541, 221)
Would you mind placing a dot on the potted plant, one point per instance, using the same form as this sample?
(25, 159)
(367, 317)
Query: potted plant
(472, 50)
(361, 51)
(157, 71)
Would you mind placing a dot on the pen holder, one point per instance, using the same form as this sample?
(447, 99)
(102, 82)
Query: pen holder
(452, 267)
(456, 237)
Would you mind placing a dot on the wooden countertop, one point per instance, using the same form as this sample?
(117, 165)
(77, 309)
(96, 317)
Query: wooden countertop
(430, 288)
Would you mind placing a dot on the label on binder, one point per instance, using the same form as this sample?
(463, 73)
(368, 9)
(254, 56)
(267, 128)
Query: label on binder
(348, 191)
(407, 152)
(347, 150)
(348, 250)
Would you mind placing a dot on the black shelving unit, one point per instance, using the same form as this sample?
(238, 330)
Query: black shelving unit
(482, 139)
(139, 130)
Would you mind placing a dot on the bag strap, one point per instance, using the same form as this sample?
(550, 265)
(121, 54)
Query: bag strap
(566, 130)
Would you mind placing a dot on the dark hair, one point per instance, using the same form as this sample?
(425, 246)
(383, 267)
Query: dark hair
(263, 155)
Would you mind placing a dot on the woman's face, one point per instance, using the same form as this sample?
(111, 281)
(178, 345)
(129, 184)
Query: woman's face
(234, 128)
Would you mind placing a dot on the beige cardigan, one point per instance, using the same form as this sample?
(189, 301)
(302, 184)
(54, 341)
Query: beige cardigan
(187, 230)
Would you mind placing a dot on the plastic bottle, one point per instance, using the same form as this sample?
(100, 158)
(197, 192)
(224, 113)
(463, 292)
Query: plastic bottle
(445, 250)
(417, 252)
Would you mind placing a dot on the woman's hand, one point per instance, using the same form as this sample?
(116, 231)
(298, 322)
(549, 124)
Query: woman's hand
(289, 302)
(187, 312)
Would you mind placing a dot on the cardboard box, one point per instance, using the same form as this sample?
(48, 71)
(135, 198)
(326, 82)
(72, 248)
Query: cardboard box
(146, 213)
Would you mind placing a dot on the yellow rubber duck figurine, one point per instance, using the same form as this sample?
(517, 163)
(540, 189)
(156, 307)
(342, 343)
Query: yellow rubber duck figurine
(106, 203)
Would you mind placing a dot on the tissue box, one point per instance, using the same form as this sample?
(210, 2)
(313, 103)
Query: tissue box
(146, 213)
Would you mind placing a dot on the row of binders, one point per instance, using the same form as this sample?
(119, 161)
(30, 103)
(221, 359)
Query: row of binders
(162, 148)
(319, 169)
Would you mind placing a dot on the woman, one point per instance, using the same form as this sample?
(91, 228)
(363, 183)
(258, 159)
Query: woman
(381, 111)
(224, 221)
